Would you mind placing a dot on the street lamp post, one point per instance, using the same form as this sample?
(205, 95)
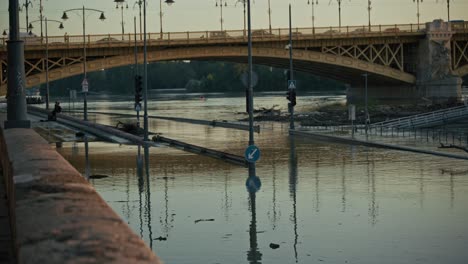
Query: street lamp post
(85, 81)
(139, 3)
(313, 3)
(339, 11)
(16, 99)
(30, 27)
(26, 5)
(145, 72)
(221, 3)
(121, 4)
(366, 110)
(245, 17)
(269, 16)
(417, 8)
(161, 14)
(291, 70)
(369, 8)
(252, 168)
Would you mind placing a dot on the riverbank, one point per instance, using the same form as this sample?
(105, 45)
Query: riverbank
(337, 114)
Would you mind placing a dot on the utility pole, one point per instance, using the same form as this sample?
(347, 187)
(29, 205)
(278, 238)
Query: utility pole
(16, 99)
(291, 91)
(417, 7)
(41, 17)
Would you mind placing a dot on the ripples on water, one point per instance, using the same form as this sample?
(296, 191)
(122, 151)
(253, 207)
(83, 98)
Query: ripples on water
(321, 202)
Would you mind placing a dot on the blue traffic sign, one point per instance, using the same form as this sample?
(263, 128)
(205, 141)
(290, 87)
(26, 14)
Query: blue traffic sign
(253, 184)
(252, 153)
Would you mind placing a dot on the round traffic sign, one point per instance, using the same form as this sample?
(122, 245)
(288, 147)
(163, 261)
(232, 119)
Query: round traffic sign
(252, 153)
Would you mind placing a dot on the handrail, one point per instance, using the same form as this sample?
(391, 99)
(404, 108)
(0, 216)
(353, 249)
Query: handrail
(430, 117)
(240, 35)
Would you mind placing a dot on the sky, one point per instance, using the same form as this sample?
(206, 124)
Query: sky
(202, 15)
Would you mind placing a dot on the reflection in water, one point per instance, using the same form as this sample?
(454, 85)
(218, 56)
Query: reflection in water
(141, 185)
(168, 219)
(452, 191)
(148, 195)
(254, 256)
(373, 210)
(343, 184)
(317, 183)
(274, 214)
(293, 187)
(87, 167)
(421, 186)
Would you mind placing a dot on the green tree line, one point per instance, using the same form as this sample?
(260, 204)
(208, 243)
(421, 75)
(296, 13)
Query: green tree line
(195, 76)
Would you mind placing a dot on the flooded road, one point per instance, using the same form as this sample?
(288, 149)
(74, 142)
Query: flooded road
(320, 202)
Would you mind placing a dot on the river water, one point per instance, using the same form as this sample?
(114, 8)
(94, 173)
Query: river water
(320, 202)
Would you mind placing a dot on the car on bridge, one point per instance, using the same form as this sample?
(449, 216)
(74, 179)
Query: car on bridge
(261, 33)
(219, 34)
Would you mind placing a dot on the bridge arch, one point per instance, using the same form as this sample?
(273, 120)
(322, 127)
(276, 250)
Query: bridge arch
(332, 66)
(462, 71)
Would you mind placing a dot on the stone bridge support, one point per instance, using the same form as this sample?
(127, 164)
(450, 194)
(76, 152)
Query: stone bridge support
(435, 78)
(431, 63)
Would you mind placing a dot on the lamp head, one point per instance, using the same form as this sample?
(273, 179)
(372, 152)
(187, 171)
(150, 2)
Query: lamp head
(61, 26)
(169, 2)
(30, 26)
(4, 33)
(64, 16)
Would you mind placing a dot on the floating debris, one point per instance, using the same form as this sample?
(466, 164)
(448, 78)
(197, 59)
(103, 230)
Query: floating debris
(204, 220)
(274, 246)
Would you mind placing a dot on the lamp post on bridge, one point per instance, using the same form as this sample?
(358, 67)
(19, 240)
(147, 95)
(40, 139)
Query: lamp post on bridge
(313, 3)
(139, 3)
(448, 10)
(369, 8)
(26, 5)
(417, 8)
(30, 27)
(245, 16)
(221, 3)
(168, 2)
(339, 11)
(121, 3)
(85, 81)
(269, 16)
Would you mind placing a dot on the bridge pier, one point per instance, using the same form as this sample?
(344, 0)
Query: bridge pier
(436, 79)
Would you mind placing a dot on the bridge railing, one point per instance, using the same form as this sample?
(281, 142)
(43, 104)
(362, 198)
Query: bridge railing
(231, 35)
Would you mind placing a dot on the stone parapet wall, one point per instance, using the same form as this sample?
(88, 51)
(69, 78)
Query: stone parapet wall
(59, 217)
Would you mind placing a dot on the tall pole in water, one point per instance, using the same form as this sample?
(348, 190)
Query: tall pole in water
(366, 111)
(291, 70)
(252, 172)
(145, 77)
(16, 99)
(85, 81)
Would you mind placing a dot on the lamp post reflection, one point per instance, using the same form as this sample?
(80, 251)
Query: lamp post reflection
(293, 188)
(254, 256)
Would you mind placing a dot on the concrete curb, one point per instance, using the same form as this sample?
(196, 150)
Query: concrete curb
(60, 218)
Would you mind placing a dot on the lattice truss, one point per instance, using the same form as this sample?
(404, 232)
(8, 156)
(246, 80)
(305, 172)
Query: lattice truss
(390, 55)
(459, 54)
(38, 66)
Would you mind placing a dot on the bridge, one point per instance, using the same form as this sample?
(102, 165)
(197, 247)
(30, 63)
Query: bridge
(403, 61)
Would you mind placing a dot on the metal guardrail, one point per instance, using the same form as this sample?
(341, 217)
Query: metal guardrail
(425, 119)
(193, 37)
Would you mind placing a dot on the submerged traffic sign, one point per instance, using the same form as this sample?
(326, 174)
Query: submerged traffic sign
(252, 153)
(291, 84)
